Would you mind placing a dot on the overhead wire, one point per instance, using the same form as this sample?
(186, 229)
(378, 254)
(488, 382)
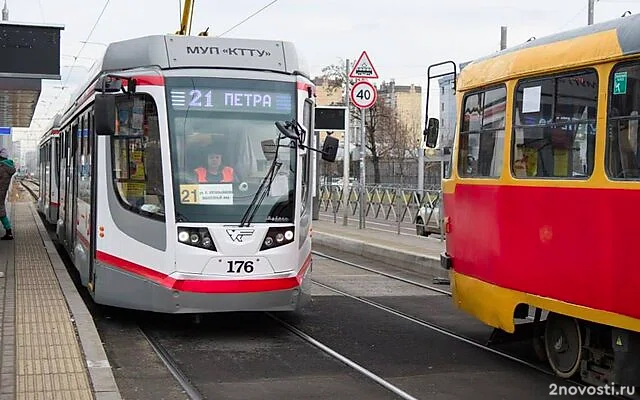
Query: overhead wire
(248, 18)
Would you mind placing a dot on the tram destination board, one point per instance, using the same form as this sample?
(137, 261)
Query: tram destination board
(30, 51)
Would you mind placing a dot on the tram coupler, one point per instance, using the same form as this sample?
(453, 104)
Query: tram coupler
(626, 364)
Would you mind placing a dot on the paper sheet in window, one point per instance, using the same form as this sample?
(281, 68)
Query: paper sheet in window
(279, 186)
(531, 99)
(137, 115)
(215, 194)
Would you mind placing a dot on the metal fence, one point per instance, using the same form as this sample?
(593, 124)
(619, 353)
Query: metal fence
(392, 172)
(384, 203)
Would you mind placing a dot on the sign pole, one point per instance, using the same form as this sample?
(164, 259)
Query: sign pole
(345, 158)
(363, 175)
(363, 96)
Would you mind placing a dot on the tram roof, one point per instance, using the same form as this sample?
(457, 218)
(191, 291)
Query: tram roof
(182, 51)
(587, 45)
(178, 51)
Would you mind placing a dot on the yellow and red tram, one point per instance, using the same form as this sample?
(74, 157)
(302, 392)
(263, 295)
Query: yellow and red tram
(539, 209)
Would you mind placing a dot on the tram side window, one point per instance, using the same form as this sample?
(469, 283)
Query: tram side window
(137, 165)
(306, 158)
(482, 134)
(84, 183)
(58, 153)
(623, 136)
(554, 127)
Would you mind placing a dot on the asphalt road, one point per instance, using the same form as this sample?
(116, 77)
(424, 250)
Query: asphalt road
(249, 356)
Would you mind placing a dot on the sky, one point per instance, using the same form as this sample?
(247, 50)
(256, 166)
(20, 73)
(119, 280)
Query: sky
(402, 37)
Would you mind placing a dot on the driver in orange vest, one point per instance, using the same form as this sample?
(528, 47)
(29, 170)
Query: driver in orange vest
(214, 173)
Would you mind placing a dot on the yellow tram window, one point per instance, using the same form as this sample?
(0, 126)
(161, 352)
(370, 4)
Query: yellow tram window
(623, 141)
(482, 134)
(554, 127)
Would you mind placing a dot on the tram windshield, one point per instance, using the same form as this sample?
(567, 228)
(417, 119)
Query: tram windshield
(223, 141)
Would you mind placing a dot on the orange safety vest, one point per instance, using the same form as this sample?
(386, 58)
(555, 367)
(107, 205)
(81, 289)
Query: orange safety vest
(227, 174)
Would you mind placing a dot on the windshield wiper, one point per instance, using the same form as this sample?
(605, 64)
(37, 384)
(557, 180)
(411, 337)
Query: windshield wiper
(292, 130)
(262, 191)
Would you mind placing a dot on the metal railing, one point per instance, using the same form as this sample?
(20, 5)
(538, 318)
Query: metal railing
(382, 203)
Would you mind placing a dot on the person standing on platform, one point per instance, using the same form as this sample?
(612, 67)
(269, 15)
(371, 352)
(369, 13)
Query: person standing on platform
(7, 169)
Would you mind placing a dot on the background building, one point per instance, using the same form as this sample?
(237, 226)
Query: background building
(447, 112)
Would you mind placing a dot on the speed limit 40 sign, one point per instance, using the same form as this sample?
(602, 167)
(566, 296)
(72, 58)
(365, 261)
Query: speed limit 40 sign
(363, 95)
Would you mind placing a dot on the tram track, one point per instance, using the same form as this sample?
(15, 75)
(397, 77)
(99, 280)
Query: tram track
(191, 390)
(352, 364)
(435, 327)
(29, 189)
(382, 273)
(188, 386)
(161, 352)
(172, 365)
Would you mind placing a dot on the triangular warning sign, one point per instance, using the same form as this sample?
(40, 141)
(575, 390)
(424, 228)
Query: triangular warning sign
(364, 68)
(618, 341)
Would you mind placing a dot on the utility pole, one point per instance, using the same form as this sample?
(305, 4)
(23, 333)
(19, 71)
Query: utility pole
(347, 146)
(363, 176)
(591, 6)
(421, 161)
(503, 37)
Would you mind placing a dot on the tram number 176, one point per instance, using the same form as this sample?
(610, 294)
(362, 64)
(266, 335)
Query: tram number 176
(240, 266)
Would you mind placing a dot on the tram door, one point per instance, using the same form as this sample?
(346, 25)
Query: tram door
(55, 177)
(70, 220)
(64, 173)
(45, 176)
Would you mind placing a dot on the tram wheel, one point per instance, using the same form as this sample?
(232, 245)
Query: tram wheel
(563, 344)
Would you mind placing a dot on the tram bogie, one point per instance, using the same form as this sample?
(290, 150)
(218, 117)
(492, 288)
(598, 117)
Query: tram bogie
(185, 187)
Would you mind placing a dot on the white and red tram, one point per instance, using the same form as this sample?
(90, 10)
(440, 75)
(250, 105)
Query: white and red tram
(185, 176)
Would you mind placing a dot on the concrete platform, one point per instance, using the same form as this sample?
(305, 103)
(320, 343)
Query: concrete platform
(414, 253)
(50, 348)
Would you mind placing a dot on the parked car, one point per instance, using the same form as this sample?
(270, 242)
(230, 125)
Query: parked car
(433, 221)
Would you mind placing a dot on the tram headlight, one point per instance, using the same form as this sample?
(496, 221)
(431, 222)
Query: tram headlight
(183, 236)
(197, 237)
(278, 236)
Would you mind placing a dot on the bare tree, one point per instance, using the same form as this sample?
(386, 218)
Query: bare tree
(379, 119)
